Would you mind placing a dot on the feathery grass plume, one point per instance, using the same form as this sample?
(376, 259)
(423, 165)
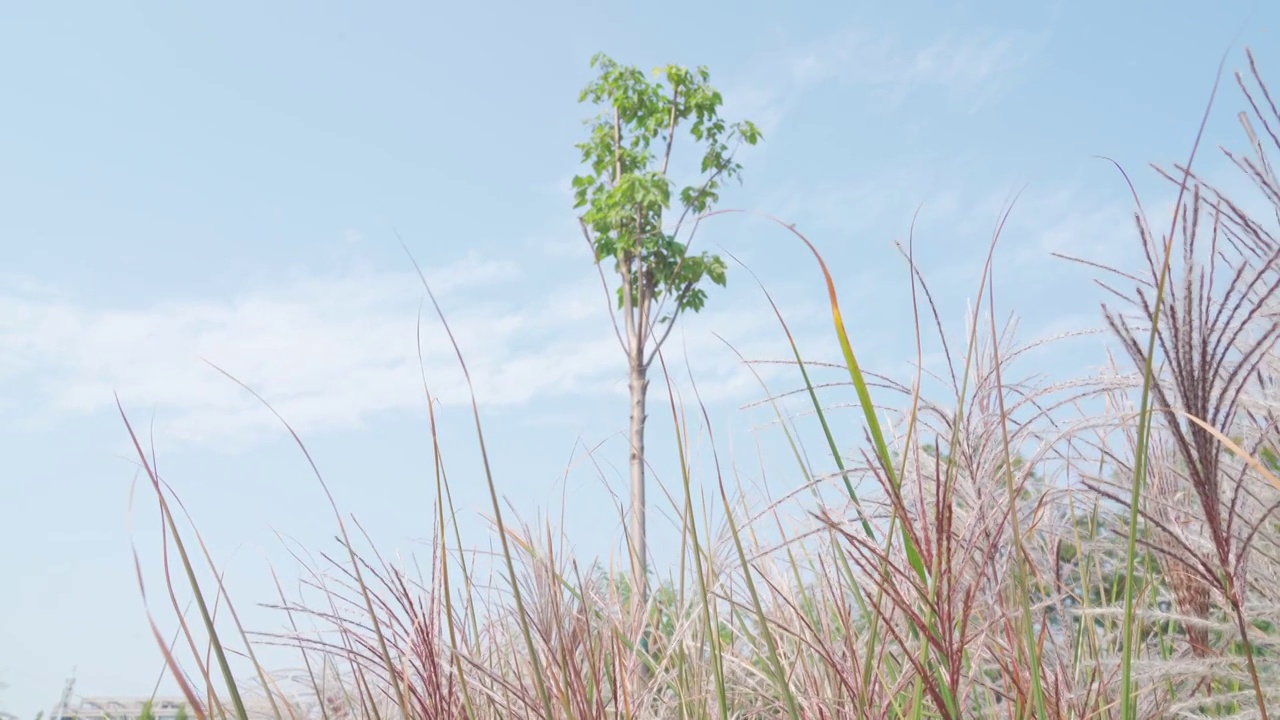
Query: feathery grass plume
(967, 560)
(1214, 334)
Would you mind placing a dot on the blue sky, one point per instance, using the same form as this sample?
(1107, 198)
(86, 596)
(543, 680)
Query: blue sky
(226, 181)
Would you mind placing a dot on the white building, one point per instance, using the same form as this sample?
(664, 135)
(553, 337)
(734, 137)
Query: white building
(123, 708)
(162, 708)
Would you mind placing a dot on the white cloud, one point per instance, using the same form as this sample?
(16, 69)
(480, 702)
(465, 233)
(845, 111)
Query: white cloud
(967, 69)
(330, 351)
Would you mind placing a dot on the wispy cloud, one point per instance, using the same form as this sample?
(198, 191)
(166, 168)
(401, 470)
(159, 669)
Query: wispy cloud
(961, 66)
(310, 337)
(330, 352)
(966, 69)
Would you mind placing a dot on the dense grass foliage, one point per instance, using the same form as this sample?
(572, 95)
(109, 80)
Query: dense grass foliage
(1104, 547)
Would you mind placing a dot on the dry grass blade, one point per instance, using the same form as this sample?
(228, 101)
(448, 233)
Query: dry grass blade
(973, 544)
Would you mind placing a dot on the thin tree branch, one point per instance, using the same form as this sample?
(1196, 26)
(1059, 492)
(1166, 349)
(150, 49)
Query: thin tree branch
(604, 284)
(617, 145)
(671, 129)
(697, 223)
(628, 300)
(675, 314)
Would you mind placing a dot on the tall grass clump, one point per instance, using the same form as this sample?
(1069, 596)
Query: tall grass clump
(999, 544)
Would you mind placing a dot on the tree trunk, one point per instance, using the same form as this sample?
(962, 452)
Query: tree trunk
(639, 386)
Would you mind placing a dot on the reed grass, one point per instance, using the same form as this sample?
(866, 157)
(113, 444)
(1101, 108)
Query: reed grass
(1006, 547)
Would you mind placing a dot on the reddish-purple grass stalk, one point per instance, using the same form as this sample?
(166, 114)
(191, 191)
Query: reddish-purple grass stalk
(969, 561)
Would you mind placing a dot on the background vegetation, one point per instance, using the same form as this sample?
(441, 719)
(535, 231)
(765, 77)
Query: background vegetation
(1099, 548)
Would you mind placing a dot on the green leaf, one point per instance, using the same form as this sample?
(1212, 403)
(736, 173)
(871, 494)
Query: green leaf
(625, 195)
